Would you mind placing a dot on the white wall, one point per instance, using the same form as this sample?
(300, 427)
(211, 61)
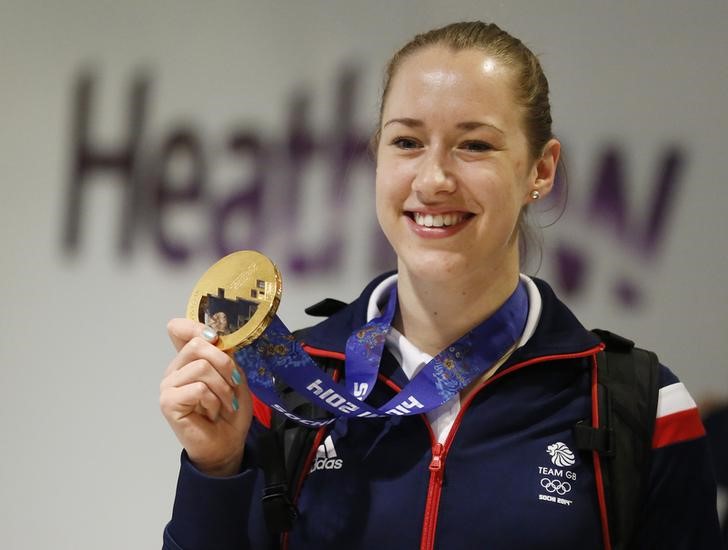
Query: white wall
(86, 460)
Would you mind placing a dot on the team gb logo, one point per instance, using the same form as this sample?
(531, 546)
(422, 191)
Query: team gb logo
(561, 455)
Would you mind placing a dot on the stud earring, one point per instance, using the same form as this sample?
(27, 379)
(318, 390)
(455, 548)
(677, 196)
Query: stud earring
(535, 195)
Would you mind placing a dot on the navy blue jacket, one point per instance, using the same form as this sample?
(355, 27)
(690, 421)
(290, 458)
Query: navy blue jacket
(386, 483)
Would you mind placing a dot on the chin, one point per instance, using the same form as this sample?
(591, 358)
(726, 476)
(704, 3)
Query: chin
(433, 266)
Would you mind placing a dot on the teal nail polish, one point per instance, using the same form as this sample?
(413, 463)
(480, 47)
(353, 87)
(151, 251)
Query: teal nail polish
(236, 405)
(236, 377)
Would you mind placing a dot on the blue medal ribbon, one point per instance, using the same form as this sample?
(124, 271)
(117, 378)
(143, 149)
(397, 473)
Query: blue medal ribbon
(277, 355)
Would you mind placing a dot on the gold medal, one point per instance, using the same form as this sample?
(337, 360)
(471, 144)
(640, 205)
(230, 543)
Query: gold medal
(237, 297)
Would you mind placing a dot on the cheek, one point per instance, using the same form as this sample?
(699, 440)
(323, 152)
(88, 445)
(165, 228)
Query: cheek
(379, 203)
(381, 199)
(491, 187)
(389, 183)
(515, 189)
(391, 192)
(498, 197)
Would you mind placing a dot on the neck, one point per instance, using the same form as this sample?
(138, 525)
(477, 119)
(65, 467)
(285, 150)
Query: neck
(434, 313)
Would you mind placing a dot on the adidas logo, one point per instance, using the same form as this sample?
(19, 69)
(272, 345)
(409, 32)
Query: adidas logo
(326, 458)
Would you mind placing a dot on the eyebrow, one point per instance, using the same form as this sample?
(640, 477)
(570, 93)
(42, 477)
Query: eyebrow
(474, 125)
(467, 126)
(409, 122)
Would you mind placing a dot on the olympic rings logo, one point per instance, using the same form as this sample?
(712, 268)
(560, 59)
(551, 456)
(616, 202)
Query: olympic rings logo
(556, 486)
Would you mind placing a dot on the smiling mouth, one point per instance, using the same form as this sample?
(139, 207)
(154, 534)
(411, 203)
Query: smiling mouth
(439, 220)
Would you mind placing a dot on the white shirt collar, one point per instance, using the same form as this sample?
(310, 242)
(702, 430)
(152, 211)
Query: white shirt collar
(408, 355)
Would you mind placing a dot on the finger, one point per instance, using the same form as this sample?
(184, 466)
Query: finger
(198, 348)
(182, 331)
(195, 398)
(202, 371)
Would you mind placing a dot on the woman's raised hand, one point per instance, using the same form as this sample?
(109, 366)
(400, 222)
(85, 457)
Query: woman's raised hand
(205, 399)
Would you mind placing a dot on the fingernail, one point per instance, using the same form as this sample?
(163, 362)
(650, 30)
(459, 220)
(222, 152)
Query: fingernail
(236, 405)
(209, 334)
(236, 376)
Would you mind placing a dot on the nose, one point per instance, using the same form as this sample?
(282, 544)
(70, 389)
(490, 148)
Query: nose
(433, 177)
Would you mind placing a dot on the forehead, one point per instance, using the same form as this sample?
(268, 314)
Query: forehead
(463, 83)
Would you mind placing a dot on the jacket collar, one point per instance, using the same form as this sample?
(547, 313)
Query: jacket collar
(558, 331)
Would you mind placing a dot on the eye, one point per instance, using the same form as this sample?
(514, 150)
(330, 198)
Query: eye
(476, 146)
(405, 143)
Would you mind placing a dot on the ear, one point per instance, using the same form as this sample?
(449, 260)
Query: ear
(543, 172)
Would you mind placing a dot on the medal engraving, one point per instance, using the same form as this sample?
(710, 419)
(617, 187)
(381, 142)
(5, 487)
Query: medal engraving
(237, 297)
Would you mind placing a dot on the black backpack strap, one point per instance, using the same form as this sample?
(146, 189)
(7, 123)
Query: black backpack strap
(325, 308)
(278, 508)
(283, 451)
(627, 388)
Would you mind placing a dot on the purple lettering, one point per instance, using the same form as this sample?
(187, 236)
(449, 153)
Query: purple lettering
(346, 150)
(181, 148)
(247, 202)
(608, 201)
(88, 158)
(571, 268)
(663, 198)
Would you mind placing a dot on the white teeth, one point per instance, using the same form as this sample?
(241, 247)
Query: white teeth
(437, 220)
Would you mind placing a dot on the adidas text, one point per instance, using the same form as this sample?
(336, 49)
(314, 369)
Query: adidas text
(322, 463)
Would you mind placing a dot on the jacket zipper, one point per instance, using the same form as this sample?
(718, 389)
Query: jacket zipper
(439, 451)
(432, 504)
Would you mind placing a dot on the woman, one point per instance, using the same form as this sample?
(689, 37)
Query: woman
(464, 146)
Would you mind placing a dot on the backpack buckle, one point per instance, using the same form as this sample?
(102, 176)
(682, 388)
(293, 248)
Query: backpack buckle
(588, 438)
